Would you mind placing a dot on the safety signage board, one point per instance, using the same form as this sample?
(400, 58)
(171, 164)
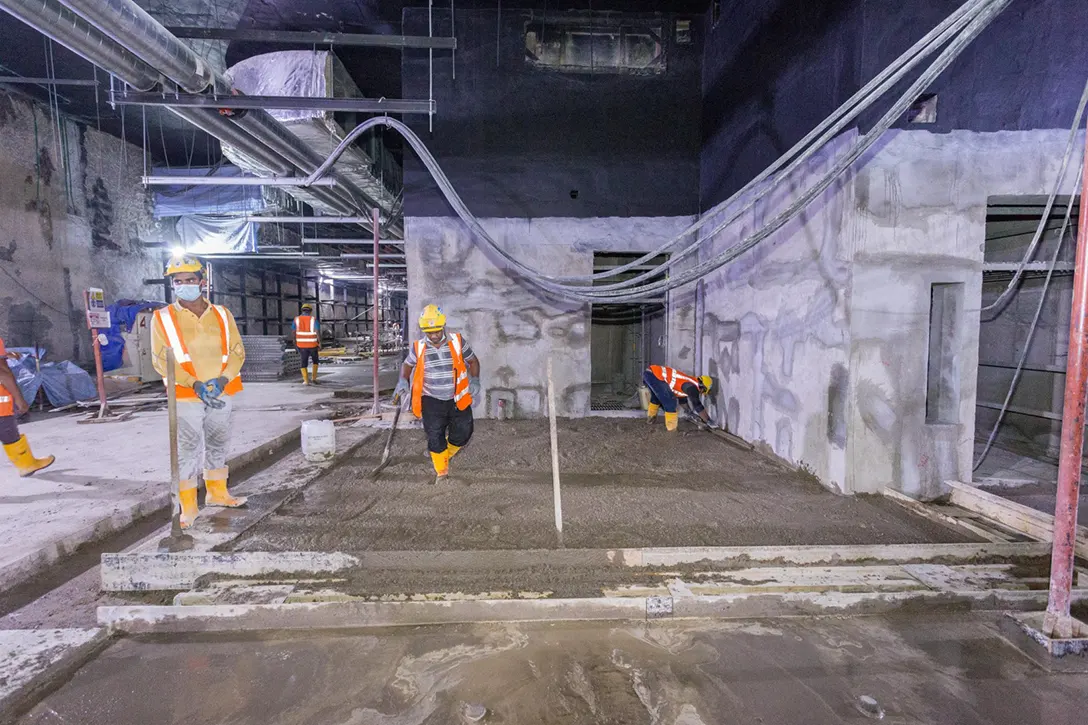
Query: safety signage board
(98, 316)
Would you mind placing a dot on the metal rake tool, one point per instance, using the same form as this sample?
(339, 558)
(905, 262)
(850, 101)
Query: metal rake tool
(388, 439)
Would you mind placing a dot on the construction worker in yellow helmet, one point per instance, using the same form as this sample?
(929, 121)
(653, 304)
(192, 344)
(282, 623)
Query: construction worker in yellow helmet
(208, 357)
(12, 404)
(441, 378)
(669, 385)
(308, 342)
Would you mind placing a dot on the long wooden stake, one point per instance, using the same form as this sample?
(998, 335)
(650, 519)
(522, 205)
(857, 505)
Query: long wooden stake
(555, 452)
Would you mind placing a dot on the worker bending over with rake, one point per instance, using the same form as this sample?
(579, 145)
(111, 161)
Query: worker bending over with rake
(12, 402)
(667, 385)
(208, 357)
(441, 376)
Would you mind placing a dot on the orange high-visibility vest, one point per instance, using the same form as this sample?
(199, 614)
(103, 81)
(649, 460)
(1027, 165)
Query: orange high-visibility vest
(305, 334)
(673, 378)
(170, 328)
(461, 395)
(7, 400)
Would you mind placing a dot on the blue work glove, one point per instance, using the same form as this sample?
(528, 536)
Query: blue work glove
(216, 387)
(205, 395)
(403, 392)
(474, 388)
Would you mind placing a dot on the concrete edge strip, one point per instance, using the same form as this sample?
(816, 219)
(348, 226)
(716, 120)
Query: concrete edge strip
(19, 571)
(142, 571)
(1036, 524)
(363, 615)
(150, 571)
(52, 675)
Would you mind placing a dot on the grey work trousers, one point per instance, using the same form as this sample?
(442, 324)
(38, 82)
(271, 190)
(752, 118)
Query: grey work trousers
(206, 430)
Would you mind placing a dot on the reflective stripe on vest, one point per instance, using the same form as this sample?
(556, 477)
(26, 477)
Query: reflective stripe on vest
(673, 378)
(461, 397)
(305, 335)
(169, 323)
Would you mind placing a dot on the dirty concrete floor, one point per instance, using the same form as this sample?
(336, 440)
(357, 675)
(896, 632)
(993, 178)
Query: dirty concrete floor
(624, 484)
(936, 668)
(1039, 496)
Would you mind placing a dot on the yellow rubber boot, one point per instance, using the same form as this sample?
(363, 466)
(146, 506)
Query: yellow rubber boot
(441, 463)
(305, 377)
(452, 450)
(671, 421)
(313, 373)
(24, 460)
(218, 495)
(651, 412)
(189, 510)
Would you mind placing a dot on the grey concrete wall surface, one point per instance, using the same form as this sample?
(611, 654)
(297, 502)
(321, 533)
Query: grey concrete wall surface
(776, 329)
(509, 322)
(72, 215)
(821, 333)
(919, 217)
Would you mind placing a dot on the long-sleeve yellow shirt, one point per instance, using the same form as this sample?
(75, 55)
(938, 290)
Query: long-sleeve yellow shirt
(201, 337)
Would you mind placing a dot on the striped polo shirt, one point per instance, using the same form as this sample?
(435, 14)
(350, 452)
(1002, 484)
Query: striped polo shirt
(438, 367)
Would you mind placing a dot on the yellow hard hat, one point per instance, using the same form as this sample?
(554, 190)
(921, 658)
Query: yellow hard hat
(308, 306)
(183, 263)
(709, 384)
(432, 319)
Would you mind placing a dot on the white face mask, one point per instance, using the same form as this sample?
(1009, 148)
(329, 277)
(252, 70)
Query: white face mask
(187, 292)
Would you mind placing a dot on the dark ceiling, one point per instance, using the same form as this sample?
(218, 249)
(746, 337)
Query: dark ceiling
(377, 71)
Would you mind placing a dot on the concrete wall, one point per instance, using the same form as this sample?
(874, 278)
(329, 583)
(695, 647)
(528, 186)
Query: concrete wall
(821, 335)
(72, 215)
(512, 326)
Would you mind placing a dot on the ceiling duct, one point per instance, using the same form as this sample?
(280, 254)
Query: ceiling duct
(314, 74)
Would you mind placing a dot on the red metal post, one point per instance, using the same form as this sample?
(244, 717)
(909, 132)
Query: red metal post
(1057, 622)
(376, 223)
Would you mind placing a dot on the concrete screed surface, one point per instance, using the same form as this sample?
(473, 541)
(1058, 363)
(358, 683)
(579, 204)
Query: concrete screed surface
(109, 474)
(941, 668)
(625, 484)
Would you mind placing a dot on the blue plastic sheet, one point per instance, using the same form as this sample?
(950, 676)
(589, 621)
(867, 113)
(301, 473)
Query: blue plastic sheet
(213, 234)
(26, 372)
(122, 315)
(65, 382)
(171, 201)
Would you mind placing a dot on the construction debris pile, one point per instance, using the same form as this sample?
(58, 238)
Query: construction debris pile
(268, 359)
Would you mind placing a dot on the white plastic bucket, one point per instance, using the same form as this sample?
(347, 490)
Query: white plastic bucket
(318, 440)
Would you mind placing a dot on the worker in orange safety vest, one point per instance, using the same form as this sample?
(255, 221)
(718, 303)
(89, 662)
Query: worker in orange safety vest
(208, 357)
(441, 377)
(12, 403)
(308, 342)
(668, 385)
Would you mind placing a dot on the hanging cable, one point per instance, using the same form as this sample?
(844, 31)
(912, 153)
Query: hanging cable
(1034, 323)
(957, 31)
(1029, 254)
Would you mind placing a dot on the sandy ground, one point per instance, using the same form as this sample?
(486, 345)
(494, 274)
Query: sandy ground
(936, 668)
(625, 484)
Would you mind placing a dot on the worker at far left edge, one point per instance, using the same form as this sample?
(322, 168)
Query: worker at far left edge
(13, 404)
(208, 357)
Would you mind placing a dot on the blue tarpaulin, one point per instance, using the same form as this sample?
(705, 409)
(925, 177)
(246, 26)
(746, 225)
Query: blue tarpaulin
(122, 315)
(64, 382)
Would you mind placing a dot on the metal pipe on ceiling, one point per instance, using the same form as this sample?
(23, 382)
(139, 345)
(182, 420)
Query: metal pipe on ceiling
(290, 103)
(234, 181)
(350, 242)
(307, 219)
(10, 80)
(55, 21)
(315, 38)
(129, 24)
(132, 27)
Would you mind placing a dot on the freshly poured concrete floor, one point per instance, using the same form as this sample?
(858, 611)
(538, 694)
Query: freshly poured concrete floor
(624, 484)
(932, 668)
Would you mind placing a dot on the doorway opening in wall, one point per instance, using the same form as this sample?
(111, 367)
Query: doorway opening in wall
(1025, 448)
(624, 338)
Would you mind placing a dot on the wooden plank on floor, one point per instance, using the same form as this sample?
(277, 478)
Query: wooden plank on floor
(1036, 524)
(943, 516)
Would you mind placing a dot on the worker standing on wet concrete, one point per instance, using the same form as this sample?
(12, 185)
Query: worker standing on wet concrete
(668, 385)
(441, 376)
(208, 357)
(308, 342)
(11, 404)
